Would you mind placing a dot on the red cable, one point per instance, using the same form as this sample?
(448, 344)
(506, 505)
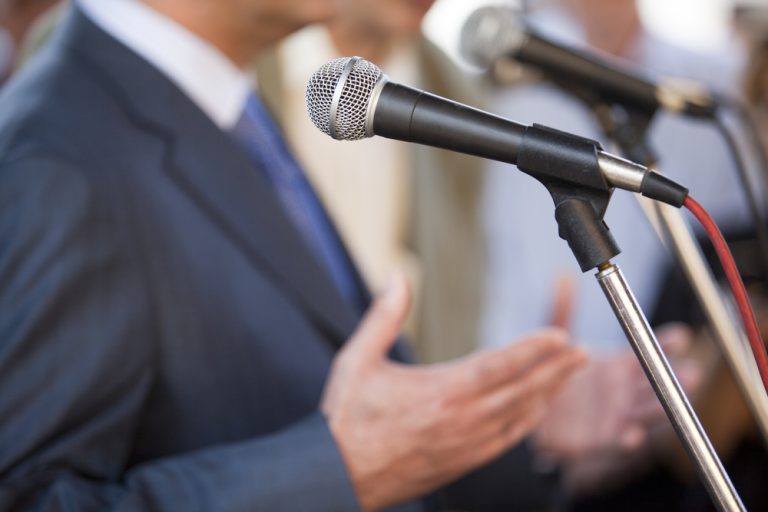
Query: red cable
(737, 286)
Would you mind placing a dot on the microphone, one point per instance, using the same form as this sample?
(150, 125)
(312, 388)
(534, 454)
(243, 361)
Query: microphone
(351, 99)
(494, 33)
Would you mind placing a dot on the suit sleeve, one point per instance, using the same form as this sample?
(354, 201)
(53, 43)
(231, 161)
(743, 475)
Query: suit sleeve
(77, 365)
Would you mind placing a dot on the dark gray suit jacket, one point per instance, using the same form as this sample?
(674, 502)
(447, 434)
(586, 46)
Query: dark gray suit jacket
(165, 335)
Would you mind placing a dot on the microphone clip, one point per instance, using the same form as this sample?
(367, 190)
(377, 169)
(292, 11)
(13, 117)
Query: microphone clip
(568, 166)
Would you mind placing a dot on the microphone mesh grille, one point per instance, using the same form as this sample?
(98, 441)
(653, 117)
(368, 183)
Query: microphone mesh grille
(352, 109)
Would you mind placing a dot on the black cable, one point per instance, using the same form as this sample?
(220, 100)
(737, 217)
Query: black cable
(749, 190)
(756, 141)
(748, 122)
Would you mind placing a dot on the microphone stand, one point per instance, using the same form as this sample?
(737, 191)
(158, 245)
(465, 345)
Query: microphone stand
(629, 133)
(579, 209)
(668, 389)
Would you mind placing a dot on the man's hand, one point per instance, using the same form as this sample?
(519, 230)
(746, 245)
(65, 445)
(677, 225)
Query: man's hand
(405, 430)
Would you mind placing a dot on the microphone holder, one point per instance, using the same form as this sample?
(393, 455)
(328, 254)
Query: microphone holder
(580, 204)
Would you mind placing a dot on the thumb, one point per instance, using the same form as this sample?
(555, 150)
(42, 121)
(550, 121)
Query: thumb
(381, 324)
(562, 304)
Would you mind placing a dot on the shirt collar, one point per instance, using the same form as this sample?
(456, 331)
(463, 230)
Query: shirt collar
(212, 81)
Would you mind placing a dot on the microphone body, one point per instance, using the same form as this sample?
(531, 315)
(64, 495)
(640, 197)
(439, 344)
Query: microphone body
(410, 115)
(493, 33)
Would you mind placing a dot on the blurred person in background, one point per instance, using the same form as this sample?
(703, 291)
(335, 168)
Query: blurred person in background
(380, 192)
(368, 183)
(371, 188)
(609, 27)
(524, 251)
(365, 185)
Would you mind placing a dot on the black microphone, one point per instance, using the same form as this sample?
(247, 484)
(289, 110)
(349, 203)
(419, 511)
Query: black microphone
(352, 99)
(494, 33)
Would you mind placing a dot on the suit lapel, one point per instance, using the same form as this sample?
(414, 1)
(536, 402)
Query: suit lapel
(214, 170)
(216, 173)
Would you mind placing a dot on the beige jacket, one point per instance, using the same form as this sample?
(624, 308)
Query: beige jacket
(441, 224)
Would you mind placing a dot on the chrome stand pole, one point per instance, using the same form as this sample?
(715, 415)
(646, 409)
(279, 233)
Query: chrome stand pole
(668, 389)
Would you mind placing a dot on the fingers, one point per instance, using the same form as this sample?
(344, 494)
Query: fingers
(691, 375)
(562, 305)
(489, 369)
(503, 416)
(648, 409)
(508, 434)
(381, 325)
(539, 383)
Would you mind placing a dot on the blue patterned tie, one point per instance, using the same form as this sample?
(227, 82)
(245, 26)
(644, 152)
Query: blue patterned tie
(259, 136)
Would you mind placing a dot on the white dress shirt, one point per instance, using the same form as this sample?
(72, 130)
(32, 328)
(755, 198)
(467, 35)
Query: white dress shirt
(212, 81)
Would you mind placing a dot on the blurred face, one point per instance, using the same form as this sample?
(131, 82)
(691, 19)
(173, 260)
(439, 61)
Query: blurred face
(393, 18)
(243, 28)
(278, 17)
(605, 14)
(610, 25)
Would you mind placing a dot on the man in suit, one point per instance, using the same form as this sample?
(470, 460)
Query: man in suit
(180, 327)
